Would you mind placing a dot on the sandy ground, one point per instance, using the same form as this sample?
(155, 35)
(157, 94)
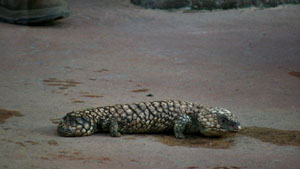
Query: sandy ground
(110, 52)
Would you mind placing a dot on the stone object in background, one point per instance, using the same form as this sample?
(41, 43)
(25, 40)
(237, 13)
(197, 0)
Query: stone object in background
(32, 11)
(161, 4)
(210, 4)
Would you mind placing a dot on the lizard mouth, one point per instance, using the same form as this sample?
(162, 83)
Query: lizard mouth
(231, 129)
(235, 128)
(64, 129)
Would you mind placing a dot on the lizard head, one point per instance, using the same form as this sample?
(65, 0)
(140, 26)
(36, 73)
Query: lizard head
(215, 121)
(76, 124)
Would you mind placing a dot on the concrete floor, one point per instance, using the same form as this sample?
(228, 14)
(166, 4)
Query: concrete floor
(237, 59)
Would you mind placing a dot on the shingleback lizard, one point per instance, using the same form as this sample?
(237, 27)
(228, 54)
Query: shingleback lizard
(150, 117)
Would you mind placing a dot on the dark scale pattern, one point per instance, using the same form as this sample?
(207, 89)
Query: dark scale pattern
(150, 117)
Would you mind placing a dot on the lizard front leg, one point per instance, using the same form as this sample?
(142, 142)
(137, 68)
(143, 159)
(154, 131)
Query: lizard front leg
(180, 125)
(114, 128)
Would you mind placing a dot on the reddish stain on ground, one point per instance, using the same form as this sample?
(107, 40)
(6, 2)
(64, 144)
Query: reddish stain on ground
(295, 74)
(62, 84)
(52, 142)
(274, 136)
(6, 114)
(129, 138)
(192, 167)
(106, 158)
(53, 156)
(32, 142)
(234, 167)
(221, 168)
(92, 96)
(224, 167)
(10, 141)
(198, 141)
(101, 70)
(76, 153)
(21, 144)
(78, 101)
(140, 90)
(44, 158)
(269, 135)
(73, 68)
(65, 155)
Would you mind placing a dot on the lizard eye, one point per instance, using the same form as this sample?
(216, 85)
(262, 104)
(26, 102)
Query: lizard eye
(224, 120)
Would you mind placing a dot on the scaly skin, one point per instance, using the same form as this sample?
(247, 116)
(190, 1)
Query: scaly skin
(150, 117)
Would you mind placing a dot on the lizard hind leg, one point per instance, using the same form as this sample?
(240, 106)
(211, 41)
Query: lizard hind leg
(74, 124)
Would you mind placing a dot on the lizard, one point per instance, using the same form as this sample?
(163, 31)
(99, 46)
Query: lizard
(181, 117)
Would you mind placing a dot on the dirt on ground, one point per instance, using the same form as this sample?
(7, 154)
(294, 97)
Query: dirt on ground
(113, 52)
